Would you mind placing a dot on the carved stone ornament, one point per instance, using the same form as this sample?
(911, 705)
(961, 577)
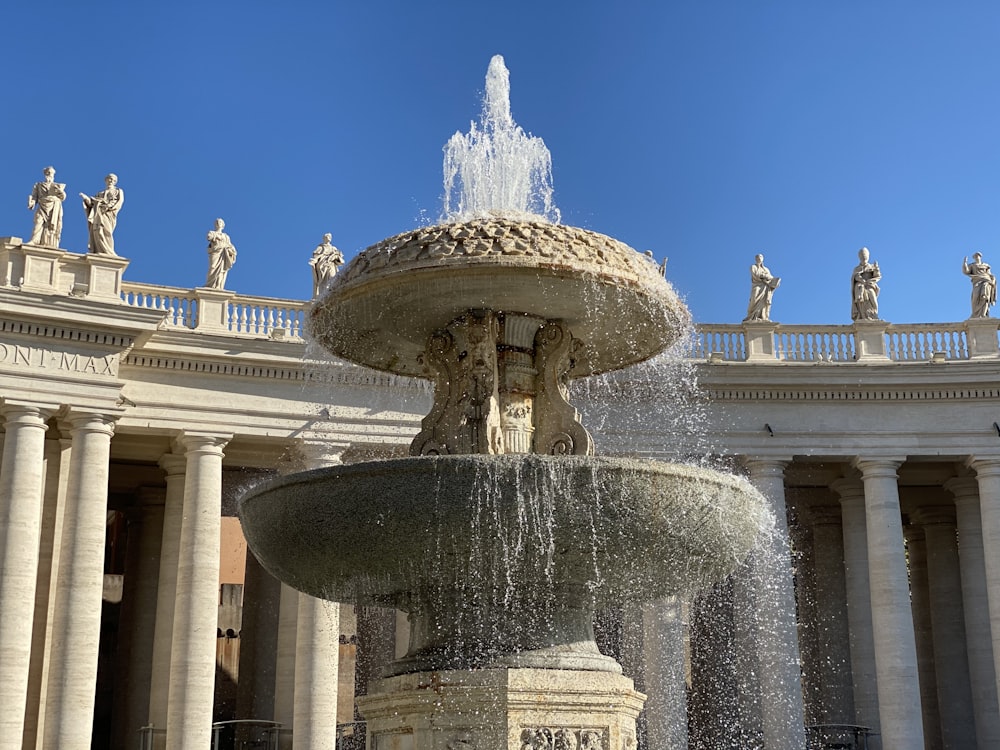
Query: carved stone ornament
(550, 738)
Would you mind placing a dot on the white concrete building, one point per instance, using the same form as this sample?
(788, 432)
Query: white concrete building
(133, 415)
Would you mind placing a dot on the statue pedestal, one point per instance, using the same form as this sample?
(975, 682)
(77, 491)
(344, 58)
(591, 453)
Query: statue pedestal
(50, 270)
(981, 334)
(502, 709)
(213, 309)
(104, 277)
(869, 340)
(759, 336)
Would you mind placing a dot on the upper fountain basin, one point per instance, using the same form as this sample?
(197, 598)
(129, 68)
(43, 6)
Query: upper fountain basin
(501, 528)
(382, 308)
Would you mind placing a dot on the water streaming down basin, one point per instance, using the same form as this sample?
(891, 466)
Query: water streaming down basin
(502, 533)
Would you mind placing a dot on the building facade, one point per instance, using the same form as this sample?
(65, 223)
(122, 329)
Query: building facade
(134, 415)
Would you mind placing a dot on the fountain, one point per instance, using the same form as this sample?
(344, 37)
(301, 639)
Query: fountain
(502, 533)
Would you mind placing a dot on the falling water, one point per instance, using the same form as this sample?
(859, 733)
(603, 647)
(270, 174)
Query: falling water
(497, 168)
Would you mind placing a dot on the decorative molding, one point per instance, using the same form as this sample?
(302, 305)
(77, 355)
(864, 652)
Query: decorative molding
(916, 394)
(58, 331)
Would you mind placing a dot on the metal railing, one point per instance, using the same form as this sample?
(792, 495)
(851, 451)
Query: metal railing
(837, 737)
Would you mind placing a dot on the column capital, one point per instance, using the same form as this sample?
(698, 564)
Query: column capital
(173, 464)
(766, 466)
(206, 443)
(933, 515)
(81, 421)
(27, 413)
(963, 488)
(883, 467)
(849, 488)
(984, 466)
(826, 515)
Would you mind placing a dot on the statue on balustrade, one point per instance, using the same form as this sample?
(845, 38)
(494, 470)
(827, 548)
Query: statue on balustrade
(102, 216)
(984, 285)
(762, 286)
(864, 288)
(325, 261)
(221, 256)
(47, 200)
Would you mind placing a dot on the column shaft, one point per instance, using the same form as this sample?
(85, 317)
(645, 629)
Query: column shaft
(859, 604)
(988, 476)
(166, 590)
(892, 618)
(193, 645)
(979, 644)
(916, 553)
(317, 652)
(76, 627)
(781, 684)
(833, 633)
(284, 670)
(21, 483)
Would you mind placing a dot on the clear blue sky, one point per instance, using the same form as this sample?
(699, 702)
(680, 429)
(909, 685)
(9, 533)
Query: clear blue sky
(704, 131)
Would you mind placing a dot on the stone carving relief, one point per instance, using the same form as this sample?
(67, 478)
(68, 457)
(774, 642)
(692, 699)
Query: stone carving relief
(549, 738)
(47, 201)
(500, 240)
(557, 424)
(465, 417)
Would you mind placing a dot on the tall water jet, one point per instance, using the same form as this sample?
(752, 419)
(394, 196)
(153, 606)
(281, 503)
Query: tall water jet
(497, 168)
(502, 533)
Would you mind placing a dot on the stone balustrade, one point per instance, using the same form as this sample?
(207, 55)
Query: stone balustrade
(868, 341)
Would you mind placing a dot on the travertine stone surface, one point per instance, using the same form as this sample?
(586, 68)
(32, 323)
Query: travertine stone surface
(384, 305)
(502, 709)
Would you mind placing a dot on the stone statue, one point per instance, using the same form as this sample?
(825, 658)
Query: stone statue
(325, 261)
(864, 288)
(102, 216)
(46, 198)
(762, 286)
(984, 285)
(221, 256)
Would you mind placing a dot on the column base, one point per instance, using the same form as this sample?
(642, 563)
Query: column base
(502, 709)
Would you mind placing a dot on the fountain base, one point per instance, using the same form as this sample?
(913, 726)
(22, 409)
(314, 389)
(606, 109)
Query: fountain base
(502, 709)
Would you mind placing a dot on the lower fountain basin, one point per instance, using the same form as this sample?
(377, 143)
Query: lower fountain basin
(495, 530)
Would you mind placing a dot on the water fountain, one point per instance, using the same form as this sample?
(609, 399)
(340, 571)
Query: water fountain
(502, 533)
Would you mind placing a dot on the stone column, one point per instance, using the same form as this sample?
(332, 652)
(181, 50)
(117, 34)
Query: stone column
(778, 650)
(833, 633)
(988, 476)
(284, 668)
(258, 642)
(192, 649)
(173, 464)
(137, 620)
(859, 604)
(947, 612)
(57, 453)
(892, 619)
(653, 656)
(76, 626)
(979, 644)
(317, 652)
(916, 553)
(21, 482)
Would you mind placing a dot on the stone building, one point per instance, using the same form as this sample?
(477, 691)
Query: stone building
(134, 415)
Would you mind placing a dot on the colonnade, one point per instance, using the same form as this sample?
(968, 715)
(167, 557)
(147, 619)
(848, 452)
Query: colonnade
(53, 521)
(903, 603)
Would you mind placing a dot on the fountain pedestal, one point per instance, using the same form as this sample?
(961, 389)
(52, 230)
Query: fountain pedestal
(502, 709)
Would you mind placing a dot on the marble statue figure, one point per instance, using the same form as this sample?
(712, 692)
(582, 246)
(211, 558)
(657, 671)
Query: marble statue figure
(762, 286)
(984, 285)
(221, 256)
(46, 198)
(864, 288)
(325, 261)
(102, 216)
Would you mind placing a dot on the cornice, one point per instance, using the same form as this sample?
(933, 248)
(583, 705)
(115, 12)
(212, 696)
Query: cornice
(912, 393)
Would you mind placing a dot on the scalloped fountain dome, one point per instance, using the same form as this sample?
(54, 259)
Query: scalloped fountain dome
(502, 532)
